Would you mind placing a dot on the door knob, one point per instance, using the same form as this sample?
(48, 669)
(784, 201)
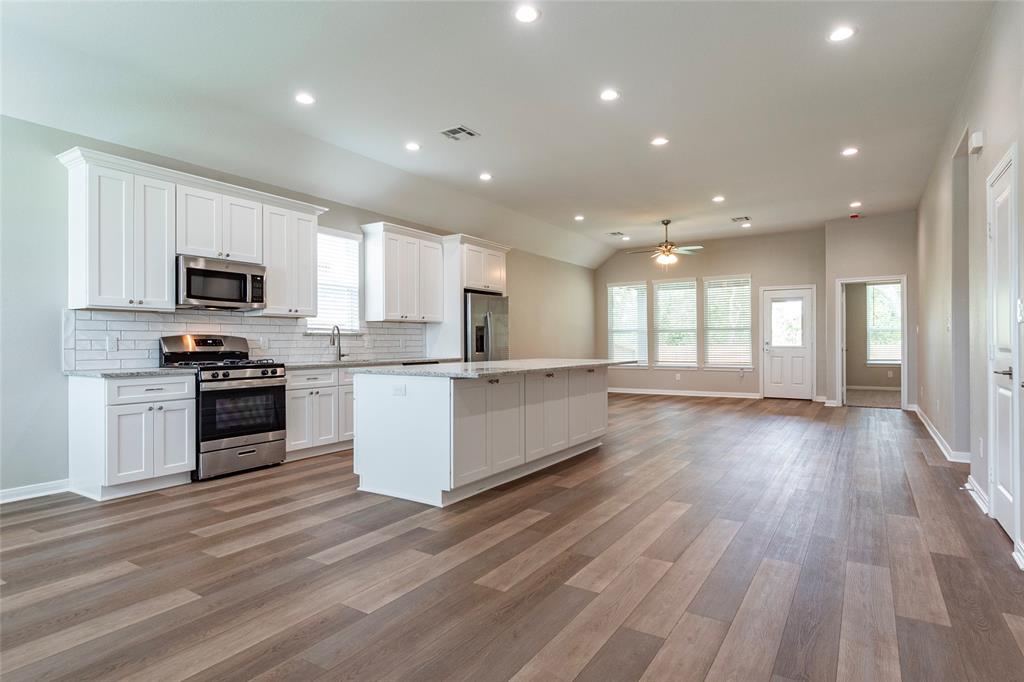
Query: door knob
(1004, 372)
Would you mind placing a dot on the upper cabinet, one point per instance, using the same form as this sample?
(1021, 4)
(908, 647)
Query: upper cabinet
(128, 220)
(483, 268)
(403, 274)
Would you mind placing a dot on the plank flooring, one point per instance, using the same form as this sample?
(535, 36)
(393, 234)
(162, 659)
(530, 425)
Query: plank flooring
(706, 539)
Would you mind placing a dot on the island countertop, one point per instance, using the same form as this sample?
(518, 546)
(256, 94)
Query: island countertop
(483, 370)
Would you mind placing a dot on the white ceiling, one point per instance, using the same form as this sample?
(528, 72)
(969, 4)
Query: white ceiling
(755, 100)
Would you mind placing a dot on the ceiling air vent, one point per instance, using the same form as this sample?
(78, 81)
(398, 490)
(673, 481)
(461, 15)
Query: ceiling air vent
(616, 234)
(459, 133)
(741, 219)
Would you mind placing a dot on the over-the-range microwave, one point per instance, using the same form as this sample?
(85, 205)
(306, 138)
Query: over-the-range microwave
(220, 284)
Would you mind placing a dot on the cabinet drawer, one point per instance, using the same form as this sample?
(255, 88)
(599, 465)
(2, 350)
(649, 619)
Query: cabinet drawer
(344, 378)
(312, 378)
(149, 389)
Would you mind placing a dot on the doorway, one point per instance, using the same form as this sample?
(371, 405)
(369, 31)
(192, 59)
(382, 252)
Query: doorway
(788, 342)
(871, 334)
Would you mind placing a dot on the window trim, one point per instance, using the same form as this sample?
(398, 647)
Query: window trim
(636, 364)
(868, 362)
(704, 327)
(360, 321)
(653, 331)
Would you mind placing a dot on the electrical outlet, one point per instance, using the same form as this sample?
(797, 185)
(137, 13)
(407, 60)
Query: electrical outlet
(111, 344)
(981, 447)
(889, 373)
(678, 376)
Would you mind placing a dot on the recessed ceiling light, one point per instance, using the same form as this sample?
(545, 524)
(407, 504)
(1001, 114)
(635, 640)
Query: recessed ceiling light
(745, 226)
(485, 176)
(659, 141)
(527, 14)
(718, 199)
(850, 151)
(625, 238)
(412, 146)
(578, 218)
(841, 33)
(854, 204)
(609, 94)
(304, 98)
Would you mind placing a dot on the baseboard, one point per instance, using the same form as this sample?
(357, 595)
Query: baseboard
(688, 394)
(318, 450)
(820, 399)
(950, 454)
(977, 494)
(831, 403)
(26, 492)
(1018, 556)
(873, 388)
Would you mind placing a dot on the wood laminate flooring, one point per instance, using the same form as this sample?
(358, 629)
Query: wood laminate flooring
(707, 538)
(860, 397)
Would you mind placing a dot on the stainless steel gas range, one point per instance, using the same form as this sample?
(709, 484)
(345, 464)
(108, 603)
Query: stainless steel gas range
(241, 402)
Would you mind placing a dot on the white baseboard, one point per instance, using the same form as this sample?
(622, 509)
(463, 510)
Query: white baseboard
(950, 454)
(318, 450)
(689, 394)
(26, 492)
(977, 494)
(873, 388)
(820, 399)
(831, 403)
(1018, 556)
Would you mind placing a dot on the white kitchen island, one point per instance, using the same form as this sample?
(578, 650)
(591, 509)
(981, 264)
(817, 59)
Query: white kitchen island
(440, 433)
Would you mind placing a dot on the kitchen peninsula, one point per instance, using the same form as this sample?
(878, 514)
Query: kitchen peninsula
(441, 433)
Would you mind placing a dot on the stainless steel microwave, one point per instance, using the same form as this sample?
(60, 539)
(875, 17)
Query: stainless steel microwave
(220, 284)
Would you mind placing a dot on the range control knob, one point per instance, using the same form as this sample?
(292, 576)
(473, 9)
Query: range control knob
(226, 374)
(265, 372)
(273, 371)
(215, 375)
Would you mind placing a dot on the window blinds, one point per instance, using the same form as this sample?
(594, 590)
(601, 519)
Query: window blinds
(885, 329)
(627, 322)
(675, 322)
(727, 336)
(337, 283)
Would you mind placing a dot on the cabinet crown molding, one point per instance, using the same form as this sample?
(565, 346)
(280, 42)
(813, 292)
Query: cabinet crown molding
(476, 241)
(78, 156)
(392, 228)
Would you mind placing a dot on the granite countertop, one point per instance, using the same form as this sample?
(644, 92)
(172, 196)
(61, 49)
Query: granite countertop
(129, 373)
(479, 370)
(328, 364)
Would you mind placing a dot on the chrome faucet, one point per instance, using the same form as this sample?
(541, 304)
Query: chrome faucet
(336, 340)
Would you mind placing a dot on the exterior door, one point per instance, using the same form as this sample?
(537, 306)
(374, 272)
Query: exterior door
(787, 328)
(1005, 457)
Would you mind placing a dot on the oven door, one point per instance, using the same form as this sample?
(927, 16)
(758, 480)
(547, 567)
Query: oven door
(236, 413)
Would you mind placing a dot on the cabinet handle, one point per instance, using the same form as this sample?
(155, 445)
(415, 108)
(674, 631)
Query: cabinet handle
(159, 407)
(140, 302)
(492, 381)
(220, 253)
(311, 392)
(157, 388)
(318, 392)
(244, 453)
(550, 374)
(590, 371)
(227, 255)
(131, 300)
(150, 408)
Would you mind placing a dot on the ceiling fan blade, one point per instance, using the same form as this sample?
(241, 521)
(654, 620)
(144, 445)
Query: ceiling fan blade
(644, 251)
(688, 248)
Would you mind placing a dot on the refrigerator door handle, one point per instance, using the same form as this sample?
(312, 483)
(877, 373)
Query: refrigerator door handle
(487, 335)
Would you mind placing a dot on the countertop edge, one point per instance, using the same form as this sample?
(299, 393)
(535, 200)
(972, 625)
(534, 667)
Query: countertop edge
(459, 371)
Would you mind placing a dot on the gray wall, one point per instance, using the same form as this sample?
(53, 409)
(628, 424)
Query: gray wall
(790, 258)
(33, 292)
(993, 103)
(858, 371)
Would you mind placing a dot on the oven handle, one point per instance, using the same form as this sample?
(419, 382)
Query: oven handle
(242, 383)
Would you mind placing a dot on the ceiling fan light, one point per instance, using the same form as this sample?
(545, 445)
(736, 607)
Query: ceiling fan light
(666, 258)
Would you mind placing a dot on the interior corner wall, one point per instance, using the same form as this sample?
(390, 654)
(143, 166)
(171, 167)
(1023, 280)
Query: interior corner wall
(858, 371)
(992, 103)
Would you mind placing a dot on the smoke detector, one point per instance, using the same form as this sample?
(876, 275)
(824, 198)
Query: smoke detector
(459, 132)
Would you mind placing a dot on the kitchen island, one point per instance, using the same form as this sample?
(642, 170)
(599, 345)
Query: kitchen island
(441, 433)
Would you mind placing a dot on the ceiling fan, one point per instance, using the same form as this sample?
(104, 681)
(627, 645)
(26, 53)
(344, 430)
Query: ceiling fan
(665, 252)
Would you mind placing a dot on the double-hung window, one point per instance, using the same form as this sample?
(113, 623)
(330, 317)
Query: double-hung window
(627, 322)
(885, 327)
(337, 279)
(728, 341)
(675, 322)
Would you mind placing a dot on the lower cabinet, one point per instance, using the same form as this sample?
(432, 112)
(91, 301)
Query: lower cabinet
(317, 416)
(547, 413)
(488, 427)
(588, 403)
(347, 411)
(147, 440)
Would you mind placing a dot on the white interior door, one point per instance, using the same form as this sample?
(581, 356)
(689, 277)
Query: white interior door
(1004, 456)
(787, 324)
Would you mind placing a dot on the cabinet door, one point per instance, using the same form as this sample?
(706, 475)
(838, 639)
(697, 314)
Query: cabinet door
(533, 417)
(326, 416)
(154, 244)
(299, 419)
(473, 267)
(111, 238)
(505, 423)
(199, 222)
(277, 244)
(129, 443)
(174, 437)
(346, 406)
(392, 277)
(409, 279)
(494, 270)
(243, 230)
(303, 265)
(579, 404)
(556, 411)
(597, 396)
(431, 282)
(470, 461)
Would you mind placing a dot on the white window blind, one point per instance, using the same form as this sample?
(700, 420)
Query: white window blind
(337, 279)
(627, 322)
(727, 337)
(885, 329)
(675, 322)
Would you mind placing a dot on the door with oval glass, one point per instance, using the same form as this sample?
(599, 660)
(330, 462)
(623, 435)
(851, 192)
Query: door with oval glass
(787, 336)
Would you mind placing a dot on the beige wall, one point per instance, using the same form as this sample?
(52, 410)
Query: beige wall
(858, 371)
(992, 103)
(791, 258)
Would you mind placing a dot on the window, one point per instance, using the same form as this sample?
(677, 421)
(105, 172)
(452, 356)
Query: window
(727, 337)
(675, 322)
(627, 322)
(885, 328)
(337, 280)
(787, 322)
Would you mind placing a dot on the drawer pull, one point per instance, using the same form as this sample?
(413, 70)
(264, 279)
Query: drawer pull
(492, 381)
(590, 371)
(550, 375)
(155, 388)
(245, 453)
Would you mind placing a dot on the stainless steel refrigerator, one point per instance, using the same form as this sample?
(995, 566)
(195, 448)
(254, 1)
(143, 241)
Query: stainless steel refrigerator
(486, 332)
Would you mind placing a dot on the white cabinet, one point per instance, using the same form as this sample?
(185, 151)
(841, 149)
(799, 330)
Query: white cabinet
(346, 406)
(174, 437)
(487, 429)
(121, 239)
(546, 413)
(483, 268)
(214, 225)
(588, 404)
(403, 274)
(311, 417)
(289, 239)
(148, 440)
(326, 416)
